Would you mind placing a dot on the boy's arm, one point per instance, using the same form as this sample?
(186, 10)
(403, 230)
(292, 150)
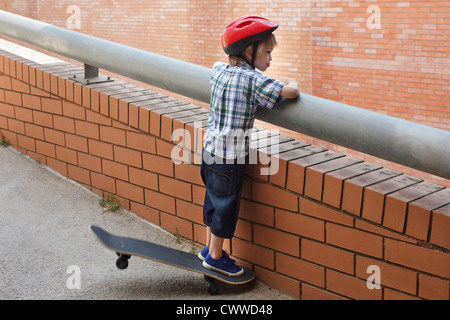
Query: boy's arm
(290, 89)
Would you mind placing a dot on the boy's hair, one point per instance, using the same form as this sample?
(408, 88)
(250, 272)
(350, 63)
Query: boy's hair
(238, 60)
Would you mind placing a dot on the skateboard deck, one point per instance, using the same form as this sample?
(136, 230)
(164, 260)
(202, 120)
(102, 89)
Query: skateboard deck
(126, 247)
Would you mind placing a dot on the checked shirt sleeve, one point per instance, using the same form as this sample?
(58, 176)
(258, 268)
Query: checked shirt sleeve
(267, 91)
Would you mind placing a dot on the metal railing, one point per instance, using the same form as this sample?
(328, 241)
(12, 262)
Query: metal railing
(408, 143)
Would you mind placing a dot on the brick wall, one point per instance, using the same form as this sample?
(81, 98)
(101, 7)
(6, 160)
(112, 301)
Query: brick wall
(315, 229)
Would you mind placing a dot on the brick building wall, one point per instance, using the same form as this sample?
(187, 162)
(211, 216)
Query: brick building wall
(319, 228)
(388, 56)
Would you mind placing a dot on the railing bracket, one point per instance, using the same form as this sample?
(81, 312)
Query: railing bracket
(90, 76)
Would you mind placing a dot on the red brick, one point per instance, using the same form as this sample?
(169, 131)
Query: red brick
(313, 293)
(351, 287)
(390, 275)
(113, 135)
(274, 196)
(51, 106)
(79, 174)
(5, 82)
(315, 174)
(433, 288)
(113, 108)
(252, 211)
(58, 166)
(43, 119)
(63, 124)
(277, 240)
(114, 169)
(103, 182)
(72, 110)
(333, 183)
(296, 168)
(189, 211)
(101, 149)
(61, 87)
(327, 256)
(77, 93)
(279, 282)
(253, 253)
(141, 142)
(158, 164)
(34, 131)
(300, 224)
(31, 102)
(128, 156)
(66, 155)
(14, 98)
(175, 188)
(374, 196)
(86, 97)
(440, 227)
(7, 110)
(69, 90)
(300, 269)
(353, 188)
(104, 104)
(160, 201)
(86, 129)
(396, 204)
(24, 114)
(143, 178)
(324, 212)
(189, 173)
(46, 149)
(19, 86)
(419, 213)
(16, 126)
(130, 191)
(133, 115)
(144, 120)
(419, 258)
(98, 118)
(76, 142)
(89, 162)
(54, 136)
(354, 240)
(26, 143)
(177, 225)
(146, 213)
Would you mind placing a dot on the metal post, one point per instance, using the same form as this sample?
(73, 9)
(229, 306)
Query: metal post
(91, 76)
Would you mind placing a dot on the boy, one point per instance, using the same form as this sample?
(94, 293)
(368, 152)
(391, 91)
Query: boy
(236, 91)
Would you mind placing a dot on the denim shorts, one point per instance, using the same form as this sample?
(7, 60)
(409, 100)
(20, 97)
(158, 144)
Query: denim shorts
(223, 181)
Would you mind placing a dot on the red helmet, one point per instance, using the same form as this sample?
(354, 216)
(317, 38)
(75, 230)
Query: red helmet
(244, 31)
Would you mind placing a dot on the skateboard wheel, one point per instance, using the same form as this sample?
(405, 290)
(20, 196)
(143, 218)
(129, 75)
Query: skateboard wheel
(122, 262)
(213, 288)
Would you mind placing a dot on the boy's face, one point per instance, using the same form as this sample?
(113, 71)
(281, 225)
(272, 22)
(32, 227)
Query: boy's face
(263, 57)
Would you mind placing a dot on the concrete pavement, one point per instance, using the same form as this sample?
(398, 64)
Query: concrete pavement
(48, 252)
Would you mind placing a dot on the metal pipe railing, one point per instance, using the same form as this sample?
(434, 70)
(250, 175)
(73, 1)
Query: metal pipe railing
(411, 144)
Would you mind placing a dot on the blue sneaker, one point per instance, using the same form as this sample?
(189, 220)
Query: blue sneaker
(202, 254)
(223, 265)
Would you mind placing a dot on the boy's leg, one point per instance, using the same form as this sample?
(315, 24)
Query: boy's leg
(215, 246)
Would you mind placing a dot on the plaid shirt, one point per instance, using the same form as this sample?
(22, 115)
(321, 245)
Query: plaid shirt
(236, 92)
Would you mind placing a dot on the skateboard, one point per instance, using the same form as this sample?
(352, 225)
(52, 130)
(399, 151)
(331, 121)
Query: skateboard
(127, 247)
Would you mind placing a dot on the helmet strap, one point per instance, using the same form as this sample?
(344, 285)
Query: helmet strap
(254, 51)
